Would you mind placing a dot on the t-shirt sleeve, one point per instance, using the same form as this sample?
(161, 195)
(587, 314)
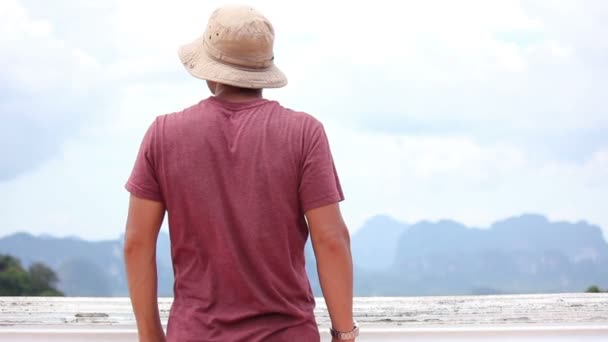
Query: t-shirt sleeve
(319, 183)
(143, 182)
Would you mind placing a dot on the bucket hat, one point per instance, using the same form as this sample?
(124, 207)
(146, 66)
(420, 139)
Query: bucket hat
(236, 49)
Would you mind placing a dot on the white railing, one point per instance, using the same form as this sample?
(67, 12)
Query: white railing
(554, 317)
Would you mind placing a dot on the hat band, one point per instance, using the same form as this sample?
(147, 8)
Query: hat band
(238, 63)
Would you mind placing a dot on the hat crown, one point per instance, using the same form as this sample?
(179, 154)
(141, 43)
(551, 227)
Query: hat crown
(240, 36)
(236, 49)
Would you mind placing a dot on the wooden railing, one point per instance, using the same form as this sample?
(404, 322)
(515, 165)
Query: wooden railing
(552, 317)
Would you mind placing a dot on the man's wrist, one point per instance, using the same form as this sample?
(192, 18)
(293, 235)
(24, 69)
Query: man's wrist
(152, 334)
(343, 324)
(345, 335)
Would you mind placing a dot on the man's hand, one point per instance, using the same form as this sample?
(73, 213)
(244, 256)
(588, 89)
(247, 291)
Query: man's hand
(143, 224)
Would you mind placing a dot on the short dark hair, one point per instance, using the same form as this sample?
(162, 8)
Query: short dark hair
(249, 90)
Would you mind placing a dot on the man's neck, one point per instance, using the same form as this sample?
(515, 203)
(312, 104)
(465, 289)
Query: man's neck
(232, 94)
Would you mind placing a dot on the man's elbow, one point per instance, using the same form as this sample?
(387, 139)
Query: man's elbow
(129, 248)
(134, 245)
(334, 240)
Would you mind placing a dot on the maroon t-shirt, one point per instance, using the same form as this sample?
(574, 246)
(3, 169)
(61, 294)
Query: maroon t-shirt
(236, 179)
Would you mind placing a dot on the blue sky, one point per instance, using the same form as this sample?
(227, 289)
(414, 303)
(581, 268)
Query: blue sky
(469, 110)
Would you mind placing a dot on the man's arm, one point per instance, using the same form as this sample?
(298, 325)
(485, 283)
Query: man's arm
(143, 224)
(331, 244)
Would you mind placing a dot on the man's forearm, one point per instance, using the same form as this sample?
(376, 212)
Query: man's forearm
(335, 269)
(142, 278)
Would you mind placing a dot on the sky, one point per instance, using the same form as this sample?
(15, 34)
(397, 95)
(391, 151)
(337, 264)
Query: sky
(467, 110)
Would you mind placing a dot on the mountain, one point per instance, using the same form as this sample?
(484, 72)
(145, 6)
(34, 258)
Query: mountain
(523, 254)
(374, 246)
(85, 268)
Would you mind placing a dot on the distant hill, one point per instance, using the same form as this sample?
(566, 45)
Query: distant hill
(374, 246)
(85, 268)
(521, 254)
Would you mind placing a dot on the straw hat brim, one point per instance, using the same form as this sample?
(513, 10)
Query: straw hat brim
(200, 65)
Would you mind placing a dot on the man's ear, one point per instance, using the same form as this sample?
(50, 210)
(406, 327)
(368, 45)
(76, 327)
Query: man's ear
(212, 85)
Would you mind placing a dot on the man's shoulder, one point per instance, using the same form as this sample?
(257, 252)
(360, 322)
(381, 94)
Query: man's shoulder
(179, 117)
(301, 117)
(180, 114)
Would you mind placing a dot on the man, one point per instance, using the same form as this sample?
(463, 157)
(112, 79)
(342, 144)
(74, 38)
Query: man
(243, 181)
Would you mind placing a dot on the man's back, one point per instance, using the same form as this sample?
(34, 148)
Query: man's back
(236, 179)
(244, 181)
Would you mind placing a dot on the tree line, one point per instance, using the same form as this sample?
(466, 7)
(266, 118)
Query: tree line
(37, 280)
(595, 289)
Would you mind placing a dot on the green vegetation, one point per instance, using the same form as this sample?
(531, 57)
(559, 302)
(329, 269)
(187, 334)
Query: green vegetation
(38, 280)
(594, 289)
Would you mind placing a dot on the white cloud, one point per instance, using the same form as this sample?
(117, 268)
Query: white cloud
(46, 88)
(33, 58)
(433, 177)
(16, 22)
